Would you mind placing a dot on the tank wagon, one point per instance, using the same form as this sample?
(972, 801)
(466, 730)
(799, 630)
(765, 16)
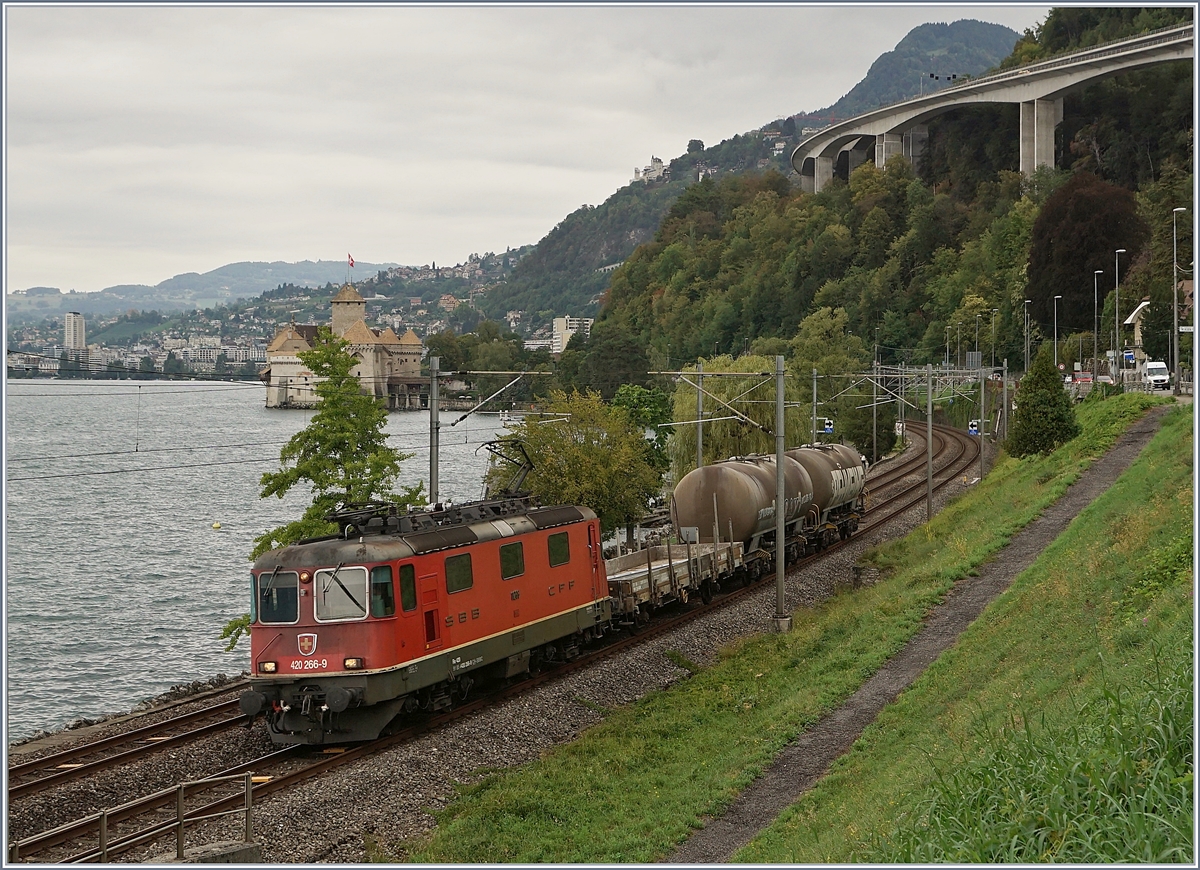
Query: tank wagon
(734, 501)
(405, 611)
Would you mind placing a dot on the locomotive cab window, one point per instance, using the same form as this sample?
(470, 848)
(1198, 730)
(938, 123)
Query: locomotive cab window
(560, 549)
(383, 595)
(340, 593)
(458, 573)
(277, 597)
(512, 560)
(408, 588)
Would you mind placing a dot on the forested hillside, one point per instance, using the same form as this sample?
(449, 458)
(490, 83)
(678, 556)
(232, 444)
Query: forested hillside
(561, 275)
(927, 258)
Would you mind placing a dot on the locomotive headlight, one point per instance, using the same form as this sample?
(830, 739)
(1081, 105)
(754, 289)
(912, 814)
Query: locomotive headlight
(353, 664)
(267, 667)
(304, 578)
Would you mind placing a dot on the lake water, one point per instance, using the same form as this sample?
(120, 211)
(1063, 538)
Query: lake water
(116, 583)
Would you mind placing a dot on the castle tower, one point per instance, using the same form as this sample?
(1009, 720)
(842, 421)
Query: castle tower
(348, 309)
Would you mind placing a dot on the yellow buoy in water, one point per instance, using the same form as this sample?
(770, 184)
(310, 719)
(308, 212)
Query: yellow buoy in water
(216, 525)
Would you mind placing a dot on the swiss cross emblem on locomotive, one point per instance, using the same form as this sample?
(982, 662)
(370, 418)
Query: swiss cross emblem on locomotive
(307, 644)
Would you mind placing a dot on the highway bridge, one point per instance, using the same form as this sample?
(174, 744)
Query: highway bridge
(1038, 87)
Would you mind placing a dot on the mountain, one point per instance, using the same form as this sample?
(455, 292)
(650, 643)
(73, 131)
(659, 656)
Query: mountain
(929, 58)
(566, 275)
(190, 290)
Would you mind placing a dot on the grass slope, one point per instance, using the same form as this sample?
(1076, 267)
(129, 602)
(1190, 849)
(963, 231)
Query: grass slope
(1104, 614)
(631, 788)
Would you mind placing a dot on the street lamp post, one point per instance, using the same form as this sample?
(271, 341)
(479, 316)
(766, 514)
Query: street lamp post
(977, 316)
(1027, 301)
(995, 311)
(1056, 298)
(958, 348)
(1117, 312)
(1095, 320)
(947, 363)
(1175, 297)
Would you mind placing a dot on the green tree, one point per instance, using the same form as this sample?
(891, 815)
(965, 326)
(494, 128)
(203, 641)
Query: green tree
(342, 454)
(648, 409)
(1044, 418)
(1080, 226)
(587, 453)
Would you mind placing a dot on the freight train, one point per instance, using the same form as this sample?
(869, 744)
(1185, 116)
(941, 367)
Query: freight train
(403, 611)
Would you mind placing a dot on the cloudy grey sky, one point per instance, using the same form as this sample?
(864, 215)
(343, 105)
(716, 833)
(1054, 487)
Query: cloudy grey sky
(146, 142)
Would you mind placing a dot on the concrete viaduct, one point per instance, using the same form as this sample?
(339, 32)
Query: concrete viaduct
(1038, 88)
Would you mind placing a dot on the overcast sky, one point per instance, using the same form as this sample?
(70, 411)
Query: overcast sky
(146, 142)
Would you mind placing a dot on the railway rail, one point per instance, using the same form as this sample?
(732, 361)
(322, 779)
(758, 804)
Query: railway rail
(138, 822)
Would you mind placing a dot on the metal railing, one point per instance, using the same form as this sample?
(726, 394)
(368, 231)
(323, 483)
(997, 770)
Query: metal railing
(177, 825)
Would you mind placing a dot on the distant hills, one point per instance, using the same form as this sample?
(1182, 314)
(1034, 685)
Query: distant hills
(190, 290)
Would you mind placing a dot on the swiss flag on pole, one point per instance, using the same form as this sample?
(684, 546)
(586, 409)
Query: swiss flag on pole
(351, 261)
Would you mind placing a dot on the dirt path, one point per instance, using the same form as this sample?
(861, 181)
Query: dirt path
(806, 759)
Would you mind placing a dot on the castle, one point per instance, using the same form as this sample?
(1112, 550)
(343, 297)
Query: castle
(387, 367)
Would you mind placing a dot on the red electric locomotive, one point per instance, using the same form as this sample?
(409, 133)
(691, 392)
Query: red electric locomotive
(403, 611)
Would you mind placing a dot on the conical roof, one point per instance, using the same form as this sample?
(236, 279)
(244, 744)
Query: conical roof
(348, 294)
(411, 337)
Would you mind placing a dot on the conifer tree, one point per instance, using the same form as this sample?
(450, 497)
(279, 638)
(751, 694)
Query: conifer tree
(342, 454)
(1044, 418)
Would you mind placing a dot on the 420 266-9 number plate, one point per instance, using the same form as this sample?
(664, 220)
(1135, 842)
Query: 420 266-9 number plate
(309, 664)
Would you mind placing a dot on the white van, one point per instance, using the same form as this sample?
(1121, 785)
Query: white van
(1155, 376)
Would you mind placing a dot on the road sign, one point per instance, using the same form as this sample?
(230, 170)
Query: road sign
(1062, 367)
(1187, 329)
(1129, 356)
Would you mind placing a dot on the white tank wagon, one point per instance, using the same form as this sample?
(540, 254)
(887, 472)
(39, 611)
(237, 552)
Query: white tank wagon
(839, 476)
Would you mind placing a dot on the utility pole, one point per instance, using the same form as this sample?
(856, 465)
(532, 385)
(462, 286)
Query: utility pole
(814, 440)
(434, 425)
(700, 415)
(995, 311)
(1095, 331)
(875, 402)
(982, 421)
(1117, 315)
(782, 622)
(1004, 398)
(1026, 335)
(928, 442)
(1175, 298)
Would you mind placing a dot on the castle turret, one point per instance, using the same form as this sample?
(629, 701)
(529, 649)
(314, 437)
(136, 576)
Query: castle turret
(348, 309)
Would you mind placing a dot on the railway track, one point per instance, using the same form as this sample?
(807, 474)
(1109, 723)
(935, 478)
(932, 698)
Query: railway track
(34, 776)
(130, 826)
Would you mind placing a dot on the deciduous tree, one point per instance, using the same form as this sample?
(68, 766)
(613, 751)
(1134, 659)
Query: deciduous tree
(587, 453)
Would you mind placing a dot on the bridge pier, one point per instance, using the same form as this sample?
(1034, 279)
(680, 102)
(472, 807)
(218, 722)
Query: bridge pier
(1039, 118)
(823, 172)
(888, 145)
